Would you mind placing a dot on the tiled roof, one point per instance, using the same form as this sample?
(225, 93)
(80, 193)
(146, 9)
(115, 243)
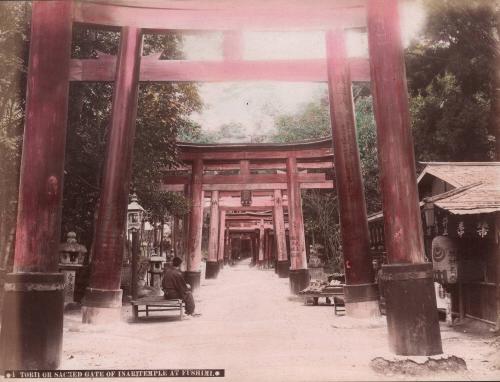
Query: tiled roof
(460, 174)
(477, 186)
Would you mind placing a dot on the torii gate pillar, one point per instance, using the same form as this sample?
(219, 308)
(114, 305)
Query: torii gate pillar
(103, 297)
(192, 274)
(299, 274)
(32, 324)
(408, 281)
(213, 238)
(361, 292)
(222, 234)
(282, 267)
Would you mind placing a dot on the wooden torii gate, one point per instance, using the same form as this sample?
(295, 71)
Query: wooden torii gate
(35, 287)
(292, 160)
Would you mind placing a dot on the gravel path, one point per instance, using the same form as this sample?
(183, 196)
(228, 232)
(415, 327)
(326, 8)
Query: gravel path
(253, 329)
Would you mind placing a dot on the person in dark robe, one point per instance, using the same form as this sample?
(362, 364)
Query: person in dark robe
(175, 287)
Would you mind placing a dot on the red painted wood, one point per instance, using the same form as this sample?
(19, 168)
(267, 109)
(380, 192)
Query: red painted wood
(232, 45)
(352, 208)
(110, 230)
(245, 179)
(222, 232)
(296, 220)
(279, 226)
(195, 218)
(261, 241)
(328, 184)
(102, 70)
(402, 226)
(40, 190)
(213, 237)
(224, 18)
(240, 5)
(266, 165)
(249, 154)
(266, 246)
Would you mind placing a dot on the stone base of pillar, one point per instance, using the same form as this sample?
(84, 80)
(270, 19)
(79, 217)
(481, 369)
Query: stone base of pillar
(363, 309)
(193, 279)
(412, 318)
(299, 279)
(212, 270)
(221, 264)
(283, 269)
(102, 306)
(32, 322)
(361, 300)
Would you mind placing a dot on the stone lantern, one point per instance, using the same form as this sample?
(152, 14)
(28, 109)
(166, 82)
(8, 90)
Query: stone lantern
(72, 257)
(155, 270)
(135, 215)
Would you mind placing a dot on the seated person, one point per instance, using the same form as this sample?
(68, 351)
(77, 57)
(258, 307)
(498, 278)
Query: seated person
(175, 287)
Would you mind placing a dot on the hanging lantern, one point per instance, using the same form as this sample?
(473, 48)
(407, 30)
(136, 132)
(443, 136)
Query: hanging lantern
(246, 198)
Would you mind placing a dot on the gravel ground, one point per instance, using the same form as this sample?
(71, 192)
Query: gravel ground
(251, 327)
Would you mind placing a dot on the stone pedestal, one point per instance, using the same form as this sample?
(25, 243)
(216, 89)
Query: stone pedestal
(69, 273)
(102, 306)
(299, 280)
(212, 269)
(283, 269)
(193, 279)
(412, 317)
(33, 309)
(362, 300)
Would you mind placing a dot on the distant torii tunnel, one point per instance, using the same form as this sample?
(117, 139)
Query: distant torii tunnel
(274, 174)
(35, 288)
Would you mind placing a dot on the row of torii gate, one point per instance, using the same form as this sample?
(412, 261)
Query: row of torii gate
(35, 288)
(269, 177)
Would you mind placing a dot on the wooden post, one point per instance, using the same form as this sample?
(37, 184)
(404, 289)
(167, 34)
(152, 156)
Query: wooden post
(213, 238)
(497, 252)
(299, 275)
(252, 248)
(103, 297)
(136, 249)
(35, 289)
(222, 232)
(229, 247)
(408, 281)
(193, 263)
(270, 260)
(279, 234)
(185, 230)
(260, 261)
(361, 293)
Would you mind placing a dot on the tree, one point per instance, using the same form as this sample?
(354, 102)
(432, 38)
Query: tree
(320, 207)
(450, 80)
(163, 114)
(14, 33)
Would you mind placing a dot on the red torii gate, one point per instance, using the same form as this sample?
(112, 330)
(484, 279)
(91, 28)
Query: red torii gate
(245, 158)
(35, 287)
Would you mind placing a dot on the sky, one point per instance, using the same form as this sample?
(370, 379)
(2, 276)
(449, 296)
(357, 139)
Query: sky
(255, 104)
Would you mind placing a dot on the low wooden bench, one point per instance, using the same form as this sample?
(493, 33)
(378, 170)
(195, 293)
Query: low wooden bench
(156, 304)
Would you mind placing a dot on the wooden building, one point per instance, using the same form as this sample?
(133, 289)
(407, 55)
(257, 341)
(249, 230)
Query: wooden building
(461, 201)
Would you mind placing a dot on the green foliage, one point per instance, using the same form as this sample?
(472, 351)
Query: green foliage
(227, 132)
(313, 121)
(162, 114)
(320, 207)
(14, 30)
(450, 78)
(449, 126)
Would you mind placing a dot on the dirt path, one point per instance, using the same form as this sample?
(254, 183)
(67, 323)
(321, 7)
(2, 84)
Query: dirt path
(252, 328)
